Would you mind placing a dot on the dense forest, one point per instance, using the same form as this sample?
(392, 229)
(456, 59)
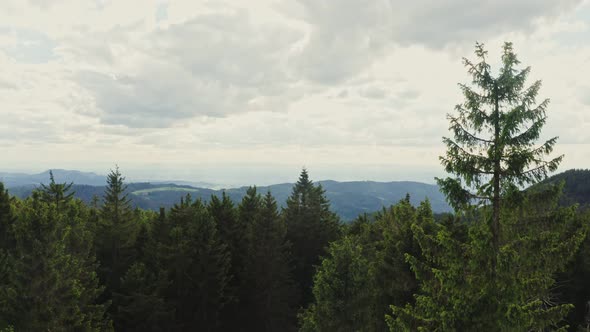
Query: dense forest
(513, 257)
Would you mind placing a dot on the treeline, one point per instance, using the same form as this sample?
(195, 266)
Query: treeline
(222, 266)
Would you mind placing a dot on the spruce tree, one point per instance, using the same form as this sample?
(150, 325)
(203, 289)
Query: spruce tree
(54, 280)
(196, 268)
(7, 260)
(56, 193)
(115, 236)
(311, 226)
(497, 276)
(495, 129)
(140, 304)
(341, 290)
(232, 234)
(269, 298)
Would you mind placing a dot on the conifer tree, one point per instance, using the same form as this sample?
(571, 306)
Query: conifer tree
(7, 260)
(270, 298)
(311, 226)
(115, 235)
(54, 280)
(341, 291)
(140, 305)
(495, 129)
(498, 275)
(196, 271)
(56, 193)
(232, 234)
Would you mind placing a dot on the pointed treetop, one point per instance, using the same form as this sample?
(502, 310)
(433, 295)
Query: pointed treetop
(57, 193)
(304, 178)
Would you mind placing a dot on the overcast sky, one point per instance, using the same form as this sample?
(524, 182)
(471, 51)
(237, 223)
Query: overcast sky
(242, 92)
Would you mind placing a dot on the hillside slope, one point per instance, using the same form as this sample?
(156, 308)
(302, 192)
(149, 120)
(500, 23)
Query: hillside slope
(348, 199)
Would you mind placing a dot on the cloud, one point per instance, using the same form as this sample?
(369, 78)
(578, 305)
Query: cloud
(341, 45)
(212, 65)
(293, 82)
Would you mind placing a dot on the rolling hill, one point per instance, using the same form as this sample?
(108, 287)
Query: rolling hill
(348, 199)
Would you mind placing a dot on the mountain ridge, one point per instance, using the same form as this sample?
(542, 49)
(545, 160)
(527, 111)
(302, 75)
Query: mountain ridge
(348, 198)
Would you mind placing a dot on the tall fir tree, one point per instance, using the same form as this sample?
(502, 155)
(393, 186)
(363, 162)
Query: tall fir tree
(116, 231)
(232, 233)
(8, 256)
(269, 298)
(140, 304)
(311, 226)
(495, 129)
(500, 276)
(196, 268)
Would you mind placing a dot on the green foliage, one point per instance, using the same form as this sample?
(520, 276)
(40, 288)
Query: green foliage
(232, 234)
(365, 272)
(141, 308)
(196, 268)
(8, 256)
(499, 276)
(494, 131)
(311, 226)
(220, 267)
(117, 224)
(458, 290)
(270, 298)
(341, 291)
(53, 284)
(56, 193)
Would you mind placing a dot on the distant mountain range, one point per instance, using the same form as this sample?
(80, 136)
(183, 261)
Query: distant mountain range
(348, 199)
(60, 175)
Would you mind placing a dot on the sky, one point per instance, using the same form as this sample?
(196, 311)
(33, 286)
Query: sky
(249, 92)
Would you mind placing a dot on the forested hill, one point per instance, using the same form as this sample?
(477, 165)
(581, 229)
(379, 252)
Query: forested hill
(348, 199)
(576, 186)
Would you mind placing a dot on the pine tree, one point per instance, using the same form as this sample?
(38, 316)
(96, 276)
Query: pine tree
(56, 193)
(115, 237)
(341, 290)
(270, 295)
(196, 268)
(311, 226)
(232, 234)
(140, 305)
(7, 260)
(54, 279)
(495, 129)
(498, 276)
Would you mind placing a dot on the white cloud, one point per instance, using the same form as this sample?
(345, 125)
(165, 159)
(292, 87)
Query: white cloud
(319, 82)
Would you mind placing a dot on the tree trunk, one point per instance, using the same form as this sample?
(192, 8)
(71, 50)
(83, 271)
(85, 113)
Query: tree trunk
(495, 227)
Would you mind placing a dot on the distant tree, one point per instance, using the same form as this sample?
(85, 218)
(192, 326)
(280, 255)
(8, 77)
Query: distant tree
(311, 226)
(57, 193)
